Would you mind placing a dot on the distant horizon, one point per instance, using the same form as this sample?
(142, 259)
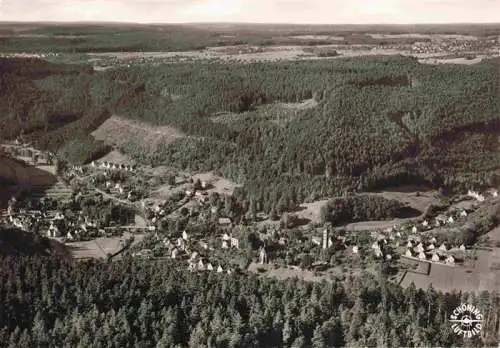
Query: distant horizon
(242, 23)
(298, 12)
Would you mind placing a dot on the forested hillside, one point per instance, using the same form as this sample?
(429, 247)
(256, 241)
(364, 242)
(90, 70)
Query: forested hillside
(377, 121)
(47, 303)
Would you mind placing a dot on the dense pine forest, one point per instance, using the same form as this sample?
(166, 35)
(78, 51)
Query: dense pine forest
(52, 303)
(376, 121)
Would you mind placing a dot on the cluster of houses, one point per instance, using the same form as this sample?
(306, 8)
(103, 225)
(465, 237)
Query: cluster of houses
(184, 248)
(51, 223)
(481, 197)
(430, 252)
(112, 166)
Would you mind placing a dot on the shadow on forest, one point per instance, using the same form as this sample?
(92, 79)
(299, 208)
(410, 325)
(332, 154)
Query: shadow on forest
(16, 242)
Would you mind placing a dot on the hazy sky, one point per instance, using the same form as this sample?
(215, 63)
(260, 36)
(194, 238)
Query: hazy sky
(267, 11)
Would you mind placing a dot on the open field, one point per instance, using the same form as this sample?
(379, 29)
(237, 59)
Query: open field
(409, 196)
(372, 225)
(269, 53)
(120, 131)
(117, 157)
(101, 247)
(311, 211)
(463, 61)
(494, 235)
(444, 278)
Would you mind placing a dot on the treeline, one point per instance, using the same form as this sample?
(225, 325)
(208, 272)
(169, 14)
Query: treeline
(84, 39)
(48, 302)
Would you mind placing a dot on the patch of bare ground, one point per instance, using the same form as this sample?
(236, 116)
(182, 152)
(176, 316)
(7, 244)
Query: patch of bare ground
(118, 131)
(462, 61)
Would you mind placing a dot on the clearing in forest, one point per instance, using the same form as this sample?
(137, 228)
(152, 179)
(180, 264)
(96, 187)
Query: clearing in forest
(311, 211)
(119, 131)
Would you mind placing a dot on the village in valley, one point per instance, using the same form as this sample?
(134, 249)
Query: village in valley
(108, 209)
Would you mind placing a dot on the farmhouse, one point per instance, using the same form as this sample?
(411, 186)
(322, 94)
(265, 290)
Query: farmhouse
(409, 253)
(235, 243)
(435, 257)
(419, 248)
(421, 255)
(450, 260)
(224, 221)
(355, 249)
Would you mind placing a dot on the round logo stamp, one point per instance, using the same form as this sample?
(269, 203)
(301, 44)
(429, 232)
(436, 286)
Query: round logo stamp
(466, 320)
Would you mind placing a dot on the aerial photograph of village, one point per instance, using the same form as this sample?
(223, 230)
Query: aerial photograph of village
(219, 173)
